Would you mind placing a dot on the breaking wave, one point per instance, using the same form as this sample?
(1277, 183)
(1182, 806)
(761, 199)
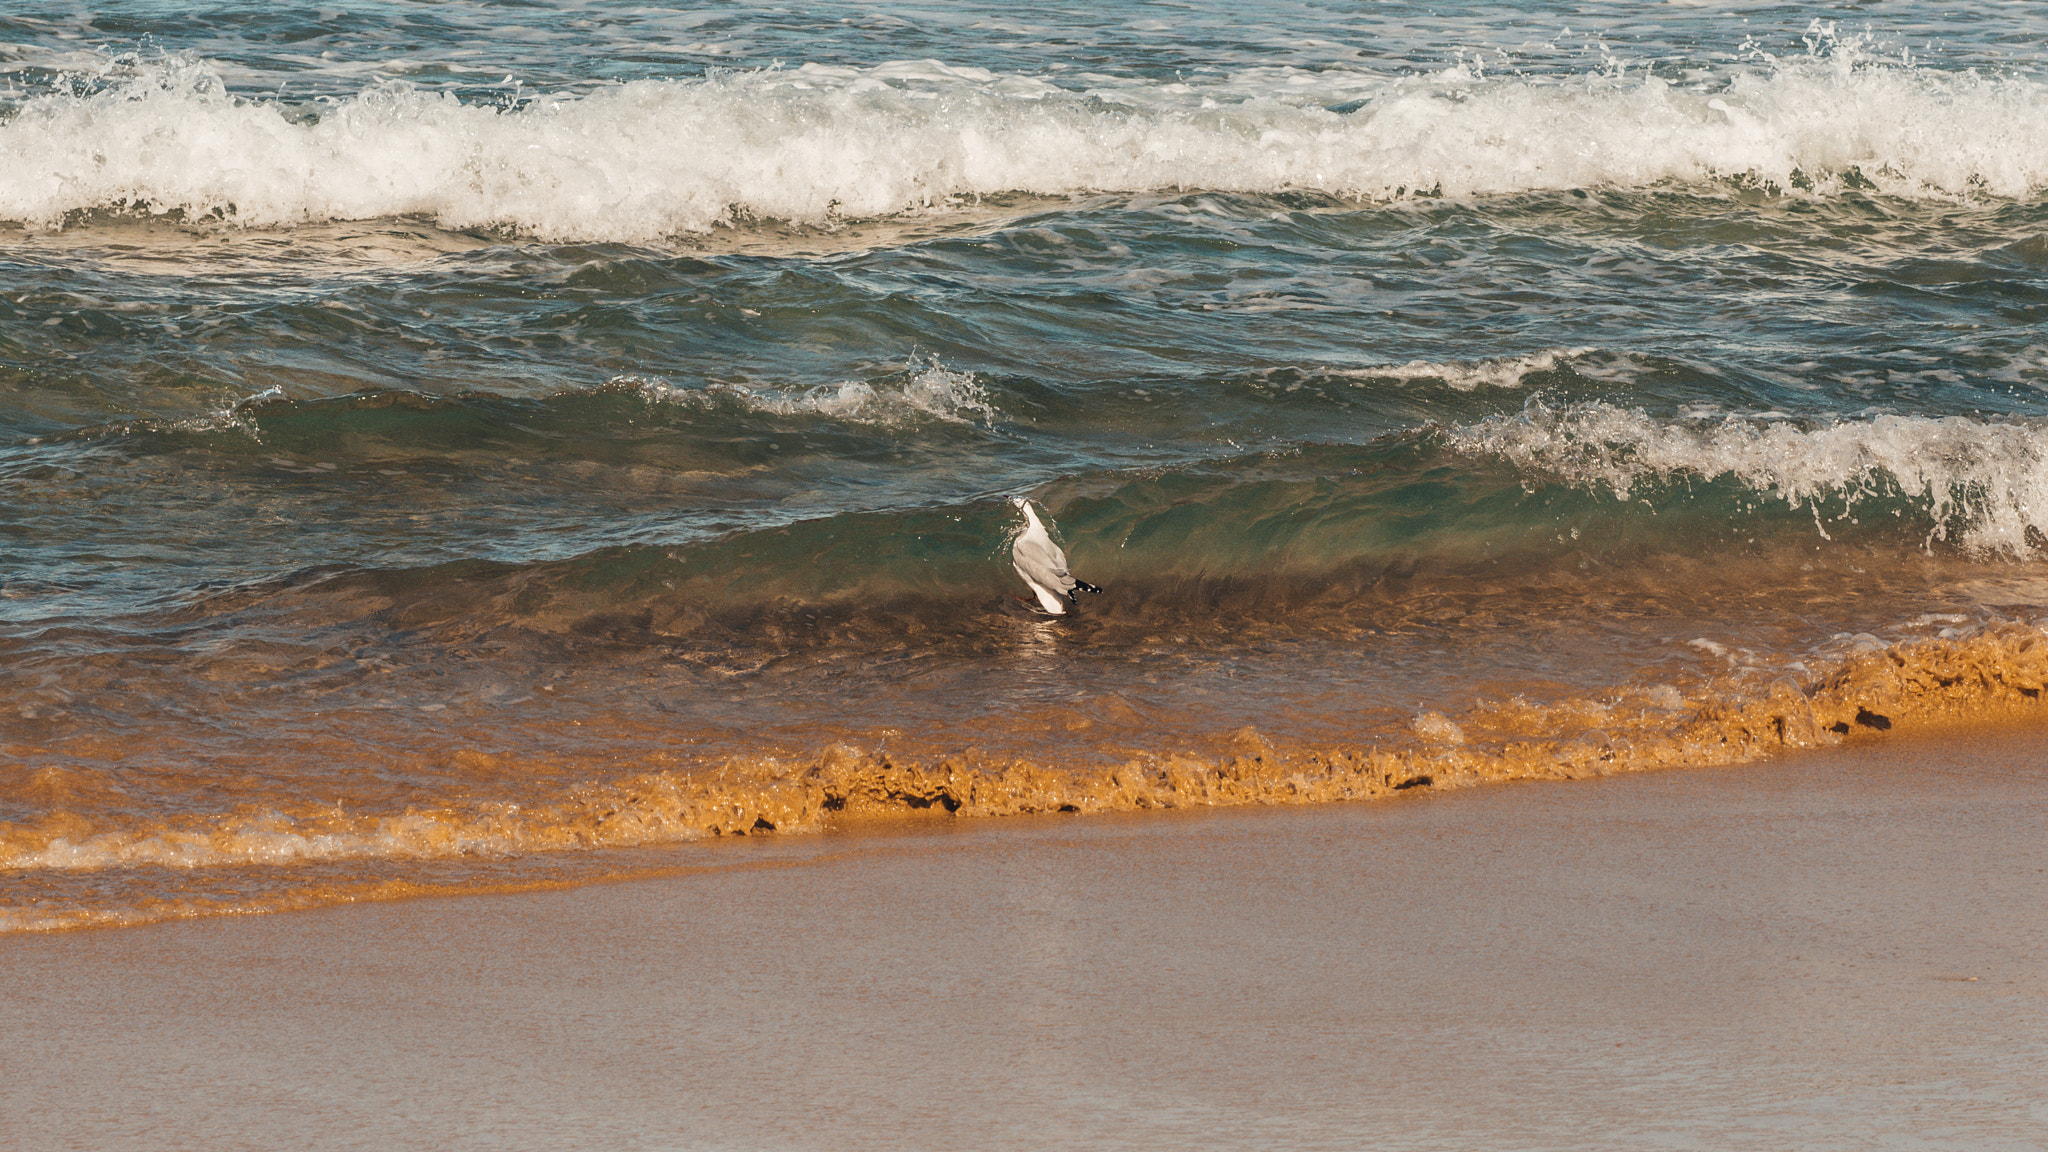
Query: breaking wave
(817, 144)
(1982, 485)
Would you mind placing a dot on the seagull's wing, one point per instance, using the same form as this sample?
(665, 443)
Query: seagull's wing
(1042, 562)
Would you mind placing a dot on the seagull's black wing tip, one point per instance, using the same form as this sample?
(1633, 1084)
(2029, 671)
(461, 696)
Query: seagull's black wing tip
(1085, 586)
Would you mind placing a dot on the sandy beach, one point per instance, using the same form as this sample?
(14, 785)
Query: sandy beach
(1838, 949)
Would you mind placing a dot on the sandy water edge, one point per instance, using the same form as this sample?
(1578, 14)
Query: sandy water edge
(1838, 948)
(64, 872)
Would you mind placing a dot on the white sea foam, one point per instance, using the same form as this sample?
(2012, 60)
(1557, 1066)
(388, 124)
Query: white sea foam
(927, 392)
(1984, 483)
(648, 159)
(1472, 375)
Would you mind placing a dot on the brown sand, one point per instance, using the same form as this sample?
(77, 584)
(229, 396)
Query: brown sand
(1839, 949)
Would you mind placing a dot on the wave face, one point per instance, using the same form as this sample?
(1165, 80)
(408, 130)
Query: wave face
(1980, 484)
(448, 456)
(818, 143)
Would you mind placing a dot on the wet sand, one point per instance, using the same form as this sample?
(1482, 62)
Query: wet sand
(1839, 949)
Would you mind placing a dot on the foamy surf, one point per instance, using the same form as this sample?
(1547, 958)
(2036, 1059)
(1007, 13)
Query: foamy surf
(650, 159)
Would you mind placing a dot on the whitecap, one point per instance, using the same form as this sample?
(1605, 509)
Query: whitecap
(650, 159)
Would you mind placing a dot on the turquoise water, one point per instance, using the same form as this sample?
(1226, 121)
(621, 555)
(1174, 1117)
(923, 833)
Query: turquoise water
(598, 389)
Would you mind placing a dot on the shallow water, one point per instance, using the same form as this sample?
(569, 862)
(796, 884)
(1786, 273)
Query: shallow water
(442, 451)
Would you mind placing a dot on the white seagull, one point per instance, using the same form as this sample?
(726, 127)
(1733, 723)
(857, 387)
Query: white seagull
(1042, 565)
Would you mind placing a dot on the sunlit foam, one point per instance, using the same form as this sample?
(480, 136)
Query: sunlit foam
(815, 144)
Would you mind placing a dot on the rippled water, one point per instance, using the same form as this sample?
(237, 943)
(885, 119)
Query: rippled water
(449, 445)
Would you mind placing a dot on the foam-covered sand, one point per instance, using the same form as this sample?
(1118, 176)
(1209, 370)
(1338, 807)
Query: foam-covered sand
(1983, 676)
(1839, 948)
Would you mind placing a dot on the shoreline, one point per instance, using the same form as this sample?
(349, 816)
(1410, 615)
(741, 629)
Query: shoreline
(658, 820)
(1835, 948)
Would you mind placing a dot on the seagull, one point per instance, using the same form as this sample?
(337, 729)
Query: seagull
(1042, 565)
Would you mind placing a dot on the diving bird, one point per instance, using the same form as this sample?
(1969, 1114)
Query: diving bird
(1042, 565)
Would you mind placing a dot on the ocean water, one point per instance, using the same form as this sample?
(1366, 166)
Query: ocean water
(460, 446)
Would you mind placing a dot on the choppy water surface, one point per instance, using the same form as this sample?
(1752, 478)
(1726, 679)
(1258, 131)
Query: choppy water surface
(449, 445)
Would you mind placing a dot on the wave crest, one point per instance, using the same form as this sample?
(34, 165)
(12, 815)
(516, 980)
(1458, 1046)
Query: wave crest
(1984, 484)
(655, 158)
(922, 392)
